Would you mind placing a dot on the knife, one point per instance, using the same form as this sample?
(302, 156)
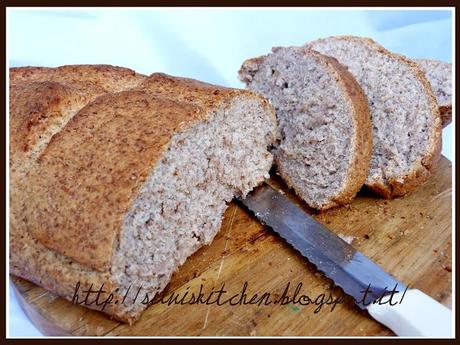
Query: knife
(407, 312)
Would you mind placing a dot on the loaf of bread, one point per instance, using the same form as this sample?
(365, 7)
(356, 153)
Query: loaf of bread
(122, 176)
(324, 120)
(439, 74)
(405, 116)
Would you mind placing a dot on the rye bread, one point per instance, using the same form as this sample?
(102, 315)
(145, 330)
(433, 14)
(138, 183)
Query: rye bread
(324, 119)
(405, 116)
(134, 183)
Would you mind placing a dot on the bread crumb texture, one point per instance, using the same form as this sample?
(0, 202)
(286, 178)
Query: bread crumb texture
(324, 119)
(439, 74)
(406, 123)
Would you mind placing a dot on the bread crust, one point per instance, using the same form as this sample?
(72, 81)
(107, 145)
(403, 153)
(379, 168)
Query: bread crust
(446, 115)
(362, 153)
(43, 99)
(423, 170)
(91, 79)
(199, 93)
(70, 180)
(358, 167)
(37, 111)
(90, 169)
(445, 108)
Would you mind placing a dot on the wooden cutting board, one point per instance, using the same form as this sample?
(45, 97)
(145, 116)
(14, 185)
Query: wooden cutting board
(409, 237)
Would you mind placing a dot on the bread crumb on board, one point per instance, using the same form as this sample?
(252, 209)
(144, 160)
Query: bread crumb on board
(348, 239)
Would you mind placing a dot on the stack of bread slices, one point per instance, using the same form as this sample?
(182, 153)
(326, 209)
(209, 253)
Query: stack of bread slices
(352, 113)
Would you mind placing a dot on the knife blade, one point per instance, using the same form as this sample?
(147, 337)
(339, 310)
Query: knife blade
(352, 271)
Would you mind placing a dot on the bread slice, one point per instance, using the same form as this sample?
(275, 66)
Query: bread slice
(439, 74)
(134, 183)
(405, 116)
(324, 119)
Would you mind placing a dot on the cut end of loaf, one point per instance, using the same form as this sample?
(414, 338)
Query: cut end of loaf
(150, 171)
(181, 205)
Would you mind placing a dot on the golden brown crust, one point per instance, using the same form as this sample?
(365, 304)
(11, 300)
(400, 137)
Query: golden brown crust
(43, 99)
(196, 92)
(37, 111)
(421, 172)
(90, 79)
(446, 115)
(29, 73)
(187, 90)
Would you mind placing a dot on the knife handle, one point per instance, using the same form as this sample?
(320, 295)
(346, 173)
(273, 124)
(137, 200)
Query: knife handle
(417, 314)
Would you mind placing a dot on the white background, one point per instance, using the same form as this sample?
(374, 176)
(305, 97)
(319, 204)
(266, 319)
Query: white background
(206, 44)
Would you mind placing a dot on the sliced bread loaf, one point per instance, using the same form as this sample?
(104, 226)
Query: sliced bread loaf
(134, 183)
(439, 74)
(324, 119)
(405, 117)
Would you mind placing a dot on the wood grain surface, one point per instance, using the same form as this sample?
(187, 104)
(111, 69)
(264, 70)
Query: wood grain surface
(410, 237)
